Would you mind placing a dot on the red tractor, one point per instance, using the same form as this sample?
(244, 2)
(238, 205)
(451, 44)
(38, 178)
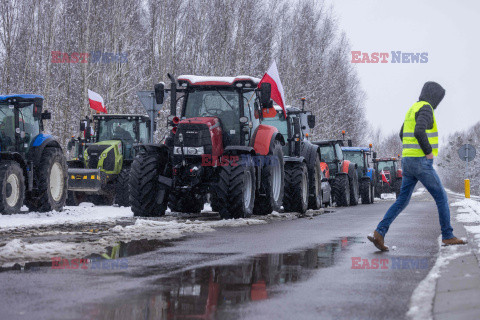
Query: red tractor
(217, 147)
(389, 175)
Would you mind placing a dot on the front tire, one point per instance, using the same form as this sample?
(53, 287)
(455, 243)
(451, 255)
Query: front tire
(354, 188)
(315, 200)
(12, 183)
(295, 198)
(270, 196)
(235, 191)
(51, 182)
(147, 196)
(341, 190)
(122, 189)
(365, 191)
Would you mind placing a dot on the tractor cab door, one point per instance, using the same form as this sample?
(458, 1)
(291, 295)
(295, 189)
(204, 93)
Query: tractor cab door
(27, 119)
(7, 128)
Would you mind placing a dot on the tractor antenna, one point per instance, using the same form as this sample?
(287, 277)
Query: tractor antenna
(343, 134)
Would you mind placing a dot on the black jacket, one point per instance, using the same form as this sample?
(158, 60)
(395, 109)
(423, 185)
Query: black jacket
(432, 93)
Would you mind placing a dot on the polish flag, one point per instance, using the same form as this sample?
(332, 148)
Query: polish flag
(96, 102)
(384, 178)
(272, 77)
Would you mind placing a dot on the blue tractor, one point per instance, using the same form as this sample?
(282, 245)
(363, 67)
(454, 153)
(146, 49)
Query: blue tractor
(366, 174)
(33, 170)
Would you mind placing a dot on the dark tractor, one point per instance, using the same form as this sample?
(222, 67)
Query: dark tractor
(361, 157)
(389, 175)
(100, 163)
(303, 174)
(32, 165)
(342, 174)
(218, 146)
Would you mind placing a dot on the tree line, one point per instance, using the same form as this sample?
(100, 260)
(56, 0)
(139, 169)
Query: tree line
(153, 37)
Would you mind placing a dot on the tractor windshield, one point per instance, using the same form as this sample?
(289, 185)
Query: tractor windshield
(355, 157)
(328, 153)
(7, 127)
(386, 166)
(116, 129)
(221, 103)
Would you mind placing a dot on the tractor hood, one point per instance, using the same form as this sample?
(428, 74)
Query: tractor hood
(200, 132)
(432, 93)
(104, 155)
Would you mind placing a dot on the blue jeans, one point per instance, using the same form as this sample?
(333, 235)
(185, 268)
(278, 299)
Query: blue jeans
(414, 170)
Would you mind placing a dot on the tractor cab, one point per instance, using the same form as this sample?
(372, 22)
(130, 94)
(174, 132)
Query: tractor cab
(20, 122)
(332, 154)
(389, 175)
(360, 156)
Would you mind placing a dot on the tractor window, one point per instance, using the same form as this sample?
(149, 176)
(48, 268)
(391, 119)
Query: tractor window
(386, 166)
(28, 123)
(116, 129)
(223, 104)
(339, 152)
(281, 124)
(328, 154)
(355, 157)
(7, 128)
(143, 132)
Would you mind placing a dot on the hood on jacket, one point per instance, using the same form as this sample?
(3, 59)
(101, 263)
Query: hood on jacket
(432, 93)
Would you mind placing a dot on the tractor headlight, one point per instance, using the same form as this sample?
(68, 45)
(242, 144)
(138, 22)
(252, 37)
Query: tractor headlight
(189, 150)
(104, 155)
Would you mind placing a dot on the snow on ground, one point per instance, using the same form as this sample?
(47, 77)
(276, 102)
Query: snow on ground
(469, 213)
(421, 302)
(85, 213)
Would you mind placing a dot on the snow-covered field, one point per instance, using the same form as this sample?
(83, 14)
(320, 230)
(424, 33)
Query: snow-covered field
(77, 232)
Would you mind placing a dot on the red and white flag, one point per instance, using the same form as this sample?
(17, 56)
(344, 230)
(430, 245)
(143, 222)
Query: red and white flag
(96, 101)
(272, 77)
(384, 178)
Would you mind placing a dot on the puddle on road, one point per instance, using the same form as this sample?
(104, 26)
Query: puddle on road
(212, 292)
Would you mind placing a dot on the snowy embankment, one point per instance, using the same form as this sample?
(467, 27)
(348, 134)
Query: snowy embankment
(80, 231)
(468, 212)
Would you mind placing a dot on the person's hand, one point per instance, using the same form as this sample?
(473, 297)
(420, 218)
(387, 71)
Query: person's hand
(429, 156)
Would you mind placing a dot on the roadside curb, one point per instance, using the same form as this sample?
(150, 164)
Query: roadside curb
(457, 291)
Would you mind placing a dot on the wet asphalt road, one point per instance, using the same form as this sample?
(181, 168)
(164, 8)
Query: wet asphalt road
(297, 269)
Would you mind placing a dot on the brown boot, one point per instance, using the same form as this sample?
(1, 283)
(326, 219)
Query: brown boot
(453, 241)
(377, 240)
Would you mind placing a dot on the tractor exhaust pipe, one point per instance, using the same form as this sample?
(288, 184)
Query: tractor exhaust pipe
(173, 95)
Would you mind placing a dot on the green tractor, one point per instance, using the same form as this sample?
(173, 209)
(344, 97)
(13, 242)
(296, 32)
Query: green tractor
(99, 168)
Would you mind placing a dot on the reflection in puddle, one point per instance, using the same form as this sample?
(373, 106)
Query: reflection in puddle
(210, 292)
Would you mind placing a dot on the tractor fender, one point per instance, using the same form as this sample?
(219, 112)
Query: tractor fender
(294, 159)
(325, 169)
(151, 148)
(352, 168)
(41, 142)
(264, 137)
(346, 166)
(370, 172)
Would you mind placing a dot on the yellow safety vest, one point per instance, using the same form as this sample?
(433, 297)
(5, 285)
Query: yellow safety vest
(411, 148)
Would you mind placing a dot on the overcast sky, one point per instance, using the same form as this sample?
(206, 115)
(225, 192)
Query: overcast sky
(447, 30)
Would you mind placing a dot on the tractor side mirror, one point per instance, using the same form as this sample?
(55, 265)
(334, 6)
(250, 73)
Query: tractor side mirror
(159, 92)
(46, 115)
(265, 95)
(374, 154)
(311, 121)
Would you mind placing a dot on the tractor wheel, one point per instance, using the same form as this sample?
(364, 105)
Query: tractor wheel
(51, 181)
(315, 200)
(372, 192)
(295, 198)
(12, 183)
(365, 191)
(341, 190)
(185, 202)
(147, 196)
(398, 186)
(269, 197)
(354, 187)
(122, 190)
(235, 191)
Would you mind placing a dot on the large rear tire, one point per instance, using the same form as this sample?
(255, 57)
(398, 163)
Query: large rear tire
(235, 191)
(315, 200)
(365, 191)
(122, 189)
(295, 198)
(185, 202)
(12, 183)
(341, 190)
(51, 182)
(269, 197)
(148, 197)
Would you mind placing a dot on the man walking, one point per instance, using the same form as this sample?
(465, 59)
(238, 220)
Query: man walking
(420, 144)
